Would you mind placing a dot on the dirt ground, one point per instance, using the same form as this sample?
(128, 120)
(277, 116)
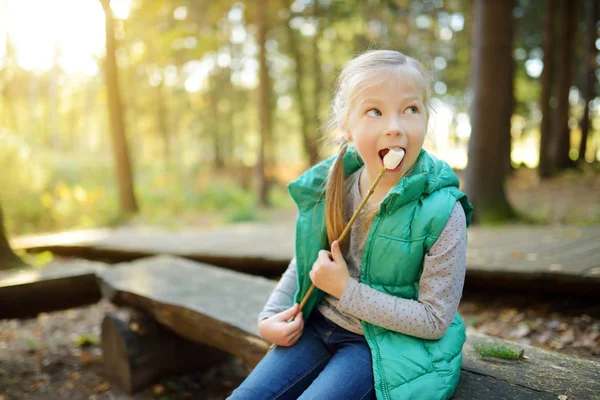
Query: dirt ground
(40, 358)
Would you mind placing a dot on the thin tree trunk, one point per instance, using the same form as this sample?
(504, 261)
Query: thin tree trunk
(490, 74)
(264, 115)
(8, 114)
(546, 82)
(590, 78)
(8, 259)
(219, 164)
(127, 200)
(506, 139)
(318, 78)
(560, 144)
(9, 119)
(53, 107)
(162, 118)
(307, 138)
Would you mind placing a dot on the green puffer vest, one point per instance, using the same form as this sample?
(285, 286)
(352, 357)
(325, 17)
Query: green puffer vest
(410, 220)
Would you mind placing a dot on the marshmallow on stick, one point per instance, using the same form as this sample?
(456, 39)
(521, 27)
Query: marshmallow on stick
(393, 158)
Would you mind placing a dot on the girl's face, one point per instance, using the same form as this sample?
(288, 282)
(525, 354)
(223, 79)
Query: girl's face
(388, 115)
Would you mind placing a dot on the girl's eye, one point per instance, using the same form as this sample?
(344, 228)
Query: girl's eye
(374, 112)
(412, 110)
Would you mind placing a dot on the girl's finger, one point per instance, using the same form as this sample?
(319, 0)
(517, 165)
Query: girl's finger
(324, 257)
(293, 339)
(294, 325)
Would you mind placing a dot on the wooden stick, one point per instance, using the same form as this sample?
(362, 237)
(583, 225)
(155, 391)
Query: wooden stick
(343, 235)
(347, 229)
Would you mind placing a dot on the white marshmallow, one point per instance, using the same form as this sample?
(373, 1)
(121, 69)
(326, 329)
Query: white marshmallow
(393, 158)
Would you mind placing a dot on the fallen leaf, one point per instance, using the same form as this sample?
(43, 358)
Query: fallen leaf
(87, 340)
(75, 375)
(563, 397)
(103, 387)
(520, 331)
(158, 389)
(85, 358)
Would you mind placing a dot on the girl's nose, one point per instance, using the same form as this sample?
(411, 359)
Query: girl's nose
(394, 127)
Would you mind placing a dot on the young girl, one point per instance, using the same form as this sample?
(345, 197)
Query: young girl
(383, 321)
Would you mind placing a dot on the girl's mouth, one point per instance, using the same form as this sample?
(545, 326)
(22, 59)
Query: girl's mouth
(382, 154)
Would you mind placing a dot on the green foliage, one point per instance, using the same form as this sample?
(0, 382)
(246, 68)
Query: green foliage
(60, 193)
(495, 213)
(32, 345)
(87, 340)
(498, 351)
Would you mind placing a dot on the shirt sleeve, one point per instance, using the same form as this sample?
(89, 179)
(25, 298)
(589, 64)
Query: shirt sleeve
(440, 289)
(282, 296)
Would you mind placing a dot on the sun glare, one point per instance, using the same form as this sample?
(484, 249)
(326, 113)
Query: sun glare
(69, 33)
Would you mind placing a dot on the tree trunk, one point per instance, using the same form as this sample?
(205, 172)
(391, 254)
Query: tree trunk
(506, 138)
(307, 138)
(8, 115)
(546, 82)
(162, 119)
(491, 73)
(8, 259)
(264, 113)
(219, 163)
(318, 77)
(560, 143)
(590, 75)
(127, 200)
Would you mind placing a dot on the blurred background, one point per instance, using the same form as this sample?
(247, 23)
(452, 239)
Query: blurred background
(201, 112)
(164, 118)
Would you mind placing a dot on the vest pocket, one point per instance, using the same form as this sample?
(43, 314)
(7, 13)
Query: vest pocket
(395, 260)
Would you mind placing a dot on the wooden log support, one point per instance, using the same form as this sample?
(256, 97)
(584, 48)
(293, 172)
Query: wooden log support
(137, 350)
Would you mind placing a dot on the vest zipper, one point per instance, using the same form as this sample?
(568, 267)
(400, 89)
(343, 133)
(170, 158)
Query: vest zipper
(366, 327)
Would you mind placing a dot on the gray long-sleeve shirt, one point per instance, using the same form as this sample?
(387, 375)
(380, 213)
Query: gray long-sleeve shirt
(440, 286)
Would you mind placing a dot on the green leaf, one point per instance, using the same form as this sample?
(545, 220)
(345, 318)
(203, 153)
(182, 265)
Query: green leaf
(87, 340)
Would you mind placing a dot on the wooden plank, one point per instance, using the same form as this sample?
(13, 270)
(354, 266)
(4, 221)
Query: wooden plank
(475, 386)
(203, 303)
(248, 247)
(545, 371)
(28, 291)
(219, 307)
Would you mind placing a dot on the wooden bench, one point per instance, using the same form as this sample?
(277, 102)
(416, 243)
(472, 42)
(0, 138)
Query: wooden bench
(25, 292)
(217, 308)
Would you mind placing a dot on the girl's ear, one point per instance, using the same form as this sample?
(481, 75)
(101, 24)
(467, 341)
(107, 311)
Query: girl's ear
(348, 136)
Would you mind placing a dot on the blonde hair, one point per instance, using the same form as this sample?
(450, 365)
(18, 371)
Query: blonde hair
(357, 75)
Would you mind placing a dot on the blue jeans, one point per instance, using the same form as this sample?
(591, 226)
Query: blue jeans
(328, 362)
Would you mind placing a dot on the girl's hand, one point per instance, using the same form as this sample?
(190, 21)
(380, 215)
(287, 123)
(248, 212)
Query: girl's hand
(330, 275)
(278, 330)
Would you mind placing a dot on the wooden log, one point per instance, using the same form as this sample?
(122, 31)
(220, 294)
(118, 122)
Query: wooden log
(137, 350)
(58, 286)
